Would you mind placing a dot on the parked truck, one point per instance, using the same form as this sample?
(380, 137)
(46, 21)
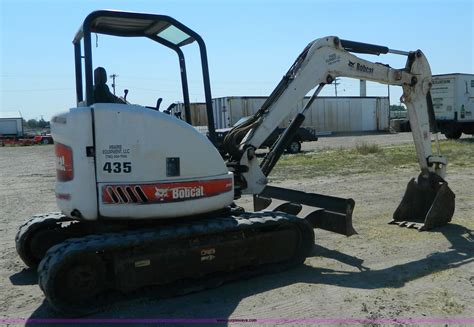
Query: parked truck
(11, 125)
(453, 103)
(303, 134)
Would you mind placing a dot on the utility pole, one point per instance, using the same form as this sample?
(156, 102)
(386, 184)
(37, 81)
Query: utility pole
(113, 76)
(388, 89)
(336, 83)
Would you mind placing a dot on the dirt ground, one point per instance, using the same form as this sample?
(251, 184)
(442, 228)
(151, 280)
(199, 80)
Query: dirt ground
(384, 272)
(351, 140)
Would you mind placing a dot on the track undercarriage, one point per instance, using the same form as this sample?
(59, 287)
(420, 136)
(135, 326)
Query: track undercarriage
(84, 272)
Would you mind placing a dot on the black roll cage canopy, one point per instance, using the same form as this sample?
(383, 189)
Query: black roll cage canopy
(162, 29)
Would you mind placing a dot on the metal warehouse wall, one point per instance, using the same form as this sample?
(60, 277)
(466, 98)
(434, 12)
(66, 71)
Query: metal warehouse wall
(326, 114)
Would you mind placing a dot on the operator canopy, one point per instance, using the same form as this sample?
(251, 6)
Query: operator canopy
(164, 30)
(161, 28)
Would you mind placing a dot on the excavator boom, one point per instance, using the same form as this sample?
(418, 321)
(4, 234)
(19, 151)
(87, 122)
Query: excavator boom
(320, 63)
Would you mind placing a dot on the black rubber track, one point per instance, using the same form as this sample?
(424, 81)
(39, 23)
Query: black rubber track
(27, 232)
(93, 247)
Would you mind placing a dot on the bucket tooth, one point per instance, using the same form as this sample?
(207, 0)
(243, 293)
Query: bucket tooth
(420, 227)
(426, 204)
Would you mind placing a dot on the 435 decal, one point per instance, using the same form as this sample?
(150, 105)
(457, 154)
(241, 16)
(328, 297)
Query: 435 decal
(117, 167)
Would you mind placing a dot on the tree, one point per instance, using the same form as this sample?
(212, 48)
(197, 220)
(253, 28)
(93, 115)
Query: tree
(395, 107)
(32, 123)
(43, 123)
(35, 124)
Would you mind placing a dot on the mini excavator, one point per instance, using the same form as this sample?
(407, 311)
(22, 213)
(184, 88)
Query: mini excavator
(146, 200)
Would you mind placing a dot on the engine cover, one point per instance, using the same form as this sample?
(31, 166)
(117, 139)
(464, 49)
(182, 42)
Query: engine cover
(129, 162)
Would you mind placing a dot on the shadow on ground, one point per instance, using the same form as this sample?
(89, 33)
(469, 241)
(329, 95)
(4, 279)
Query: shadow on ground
(222, 301)
(27, 276)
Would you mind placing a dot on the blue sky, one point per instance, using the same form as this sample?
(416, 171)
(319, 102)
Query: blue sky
(250, 45)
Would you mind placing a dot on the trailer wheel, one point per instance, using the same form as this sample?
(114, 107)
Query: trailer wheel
(294, 147)
(453, 135)
(45, 141)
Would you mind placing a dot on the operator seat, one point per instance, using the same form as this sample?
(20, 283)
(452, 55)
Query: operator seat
(101, 90)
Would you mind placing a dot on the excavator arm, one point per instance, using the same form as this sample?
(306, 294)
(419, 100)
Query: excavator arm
(319, 64)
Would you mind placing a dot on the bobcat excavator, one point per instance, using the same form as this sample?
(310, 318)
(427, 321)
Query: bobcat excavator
(146, 200)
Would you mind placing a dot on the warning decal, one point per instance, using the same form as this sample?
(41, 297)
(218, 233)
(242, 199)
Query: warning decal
(164, 192)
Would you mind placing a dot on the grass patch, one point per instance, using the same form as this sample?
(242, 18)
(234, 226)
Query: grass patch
(366, 158)
(364, 148)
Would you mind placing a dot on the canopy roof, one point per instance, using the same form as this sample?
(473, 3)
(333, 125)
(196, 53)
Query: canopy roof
(157, 27)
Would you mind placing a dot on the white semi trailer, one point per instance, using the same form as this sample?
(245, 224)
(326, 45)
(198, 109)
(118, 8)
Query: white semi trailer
(453, 102)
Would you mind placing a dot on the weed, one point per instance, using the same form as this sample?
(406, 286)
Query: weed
(365, 148)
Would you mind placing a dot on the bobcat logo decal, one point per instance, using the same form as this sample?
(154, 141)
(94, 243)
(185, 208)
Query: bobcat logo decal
(161, 193)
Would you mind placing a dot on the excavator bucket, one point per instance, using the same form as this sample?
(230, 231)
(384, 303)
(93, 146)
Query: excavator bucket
(321, 211)
(427, 203)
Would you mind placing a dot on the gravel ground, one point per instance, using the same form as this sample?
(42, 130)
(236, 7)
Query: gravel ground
(384, 274)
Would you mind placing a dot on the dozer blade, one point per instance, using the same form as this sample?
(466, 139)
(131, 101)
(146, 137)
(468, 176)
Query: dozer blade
(427, 203)
(321, 211)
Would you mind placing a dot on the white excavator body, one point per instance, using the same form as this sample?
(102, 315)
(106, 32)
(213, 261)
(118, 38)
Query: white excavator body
(125, 161)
